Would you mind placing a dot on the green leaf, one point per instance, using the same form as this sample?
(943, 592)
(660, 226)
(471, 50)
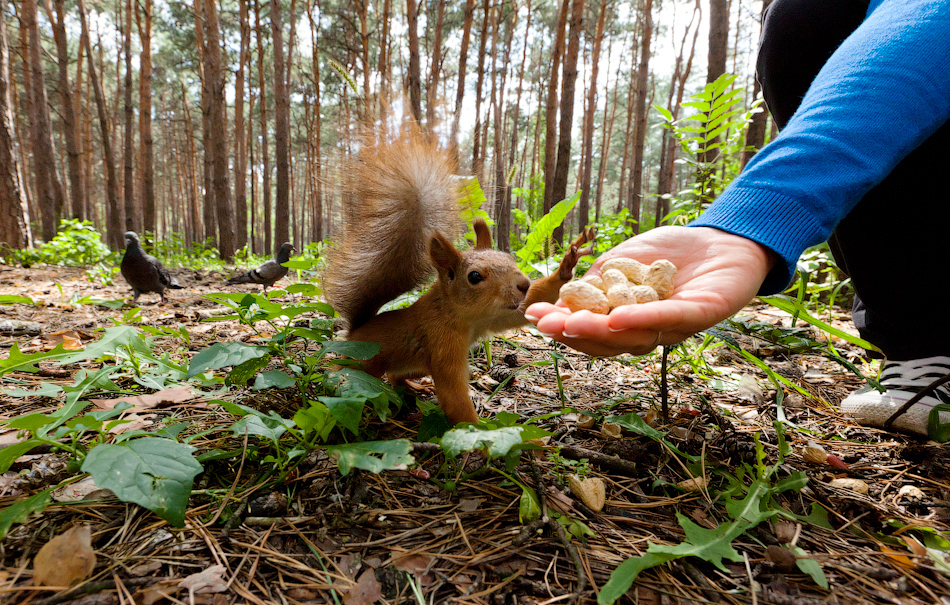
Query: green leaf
(633, 422)
(373, 456)
(939, 432)
(809, 566)
(541, 231)
(315, 418)
(529, 508)
(10, 299)
(350, 382)
(240, 375)
(20, 362)
(9, 454)
(354, 349)
(270, 427)
(795, 307)
(45, 389)
(496, 442)
(152, 472)
(348, 411)
(274, 379)
(19, 512)
(223, 354)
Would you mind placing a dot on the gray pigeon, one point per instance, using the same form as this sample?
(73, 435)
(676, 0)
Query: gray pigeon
(269, 272)
(144, 272)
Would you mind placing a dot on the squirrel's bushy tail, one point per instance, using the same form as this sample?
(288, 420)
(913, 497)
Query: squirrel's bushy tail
(396, 194)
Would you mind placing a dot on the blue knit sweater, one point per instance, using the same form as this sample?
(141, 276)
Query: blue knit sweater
(880, 95)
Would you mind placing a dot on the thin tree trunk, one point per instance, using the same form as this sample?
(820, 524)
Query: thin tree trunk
(265, 143)
(634, 193)
(755, 134)
(128, 184)
(568, 85)
(143, 17)
(550, 111)
(502, 186)
(414, 76)
(14, 212)
(77, 192)
(463, 60)
(49, 190)
(208, 203)
(112, 189)
(583, 209)
(477, 160)
(224, 210)
(385, 69)
(432, 88)
(318, 229)
(281, 128)
(240, 139)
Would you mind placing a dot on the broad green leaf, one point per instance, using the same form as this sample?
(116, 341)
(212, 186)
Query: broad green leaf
(373, 456)
(223, 354)
(268, 427)
(10, 299)
(350, 382)
(541, 231)
(9, 454)
(152, 472)
(274, 379)
(348, 411)
(240, 375)
(45, 389)
(26, 362)
(529, 508)
(315, 418)
(809, 566)
(20, 511)
(300, 264)
(496, 442)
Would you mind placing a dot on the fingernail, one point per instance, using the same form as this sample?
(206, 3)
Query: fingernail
(531, 318)
(545, 334)
(566, 335)
(615, 330)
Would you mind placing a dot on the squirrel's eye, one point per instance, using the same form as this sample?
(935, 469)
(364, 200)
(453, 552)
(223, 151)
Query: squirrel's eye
(475, 277)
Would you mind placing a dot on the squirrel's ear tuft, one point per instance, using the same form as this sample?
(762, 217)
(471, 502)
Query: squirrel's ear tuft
(482, 234)
(445, 257)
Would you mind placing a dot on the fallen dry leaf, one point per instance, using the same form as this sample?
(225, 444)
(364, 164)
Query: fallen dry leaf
(591, 491)
(209, 580)
(70, 339)
(140, 403)
(66, 559)
(366, 591)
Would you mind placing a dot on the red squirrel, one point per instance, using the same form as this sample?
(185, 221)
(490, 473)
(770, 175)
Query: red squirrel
(401, 202)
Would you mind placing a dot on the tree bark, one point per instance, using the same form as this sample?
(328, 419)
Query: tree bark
(463, 61)
(281, 128)
(317, 219)
(583, 207)
(143, 17)
(265, 143)
(128, 182)
(14, 212)
(477, 160)
(550, 110)
(49, 190)
(240, 138)
(755, 134)
(432, 87)
(414, 76)
(208, 206)
(114, 214)
(561, 170)
(634, 195)
(77, 190)
(502, 186)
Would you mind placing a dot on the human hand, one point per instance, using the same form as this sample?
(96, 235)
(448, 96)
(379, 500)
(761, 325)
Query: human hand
(717, 274)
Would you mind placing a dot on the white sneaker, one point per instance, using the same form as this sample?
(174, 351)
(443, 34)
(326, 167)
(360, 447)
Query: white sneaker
(903, 380)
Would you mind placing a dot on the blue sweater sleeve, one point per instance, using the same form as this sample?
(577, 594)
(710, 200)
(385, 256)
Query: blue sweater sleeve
(880, 95)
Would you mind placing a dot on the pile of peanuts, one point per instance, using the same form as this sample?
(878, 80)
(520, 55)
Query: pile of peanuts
(622, 281)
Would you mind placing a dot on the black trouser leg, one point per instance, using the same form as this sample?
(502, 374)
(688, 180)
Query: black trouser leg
(895, 244)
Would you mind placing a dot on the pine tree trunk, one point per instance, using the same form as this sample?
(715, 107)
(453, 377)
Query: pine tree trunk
(550, 111)
(208, 204)
(477, 160)
(281, 128)
(70, 128)
(224, 211)
(568, 85)
(240, 138)
(14, 213)
(318, 229)
(48, 187)
(128, 157)
(583, 208)
(414, 76)
(432, 87)
(265, 142)
(463, 61)
(502, 199)
(634, 193)
(114, 212)
(143, 16)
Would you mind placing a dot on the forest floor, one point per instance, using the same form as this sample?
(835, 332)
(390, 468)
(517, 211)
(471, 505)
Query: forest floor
(324, 537)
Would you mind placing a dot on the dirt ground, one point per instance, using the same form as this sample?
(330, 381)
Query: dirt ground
(321, 537)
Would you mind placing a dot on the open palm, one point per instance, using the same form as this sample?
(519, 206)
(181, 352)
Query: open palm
(718, 273)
